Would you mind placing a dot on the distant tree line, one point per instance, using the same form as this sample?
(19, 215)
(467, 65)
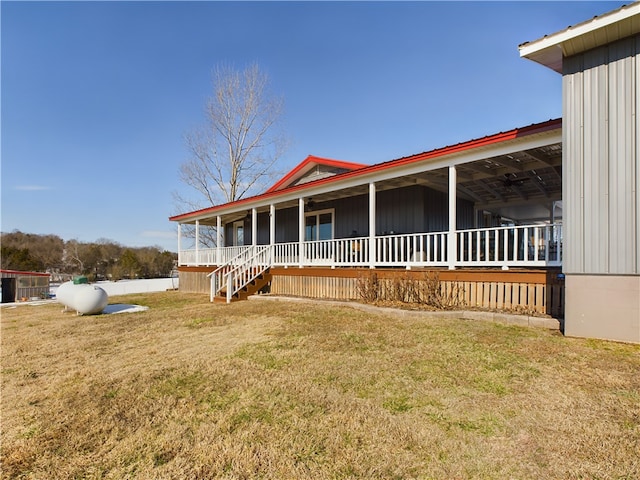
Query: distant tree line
(100, 260)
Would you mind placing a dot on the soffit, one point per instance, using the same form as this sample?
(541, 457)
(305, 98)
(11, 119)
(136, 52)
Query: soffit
(598, 31)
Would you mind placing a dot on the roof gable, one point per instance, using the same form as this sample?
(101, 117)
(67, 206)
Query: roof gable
(314, 168)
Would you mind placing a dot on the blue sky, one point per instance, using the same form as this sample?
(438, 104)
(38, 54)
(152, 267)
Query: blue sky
(97, 96)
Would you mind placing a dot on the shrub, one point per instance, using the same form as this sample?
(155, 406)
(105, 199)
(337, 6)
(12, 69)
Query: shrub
(406, 288)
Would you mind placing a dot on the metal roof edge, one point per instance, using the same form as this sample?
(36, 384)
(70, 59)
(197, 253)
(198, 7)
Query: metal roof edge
(299, 170)
(22, 272)
(548, 50)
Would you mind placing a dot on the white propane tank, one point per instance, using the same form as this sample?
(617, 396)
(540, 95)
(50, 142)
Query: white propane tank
(83, 298)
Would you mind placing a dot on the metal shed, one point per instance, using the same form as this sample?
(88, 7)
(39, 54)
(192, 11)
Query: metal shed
(21, 286)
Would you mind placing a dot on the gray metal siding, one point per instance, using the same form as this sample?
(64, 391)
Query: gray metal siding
(601, 161)
(401, 210)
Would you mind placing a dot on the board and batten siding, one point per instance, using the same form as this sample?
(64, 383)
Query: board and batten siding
(413, 209)
(601, 191)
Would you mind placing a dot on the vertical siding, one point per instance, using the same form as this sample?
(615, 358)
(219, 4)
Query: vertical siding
(350, 214)
(601, 161)
(636, 152)
(596, 161)
(572, 171)
(401, 210)
(286, 225)
(622, 202)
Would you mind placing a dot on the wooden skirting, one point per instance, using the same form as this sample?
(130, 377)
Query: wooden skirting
(538, 291)
(194, 279)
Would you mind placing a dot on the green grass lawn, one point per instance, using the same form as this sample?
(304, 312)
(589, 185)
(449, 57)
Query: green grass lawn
(302, 390)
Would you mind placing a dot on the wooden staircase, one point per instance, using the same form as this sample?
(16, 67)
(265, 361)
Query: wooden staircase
(254, 286)
(242, 276)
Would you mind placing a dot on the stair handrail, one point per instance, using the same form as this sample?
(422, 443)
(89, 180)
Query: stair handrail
(217, 276)
(244, 273)
(239, 272)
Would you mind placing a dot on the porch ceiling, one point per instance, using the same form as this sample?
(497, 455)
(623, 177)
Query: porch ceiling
(516, 185)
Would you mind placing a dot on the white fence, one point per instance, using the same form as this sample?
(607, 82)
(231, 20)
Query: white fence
(514, 246)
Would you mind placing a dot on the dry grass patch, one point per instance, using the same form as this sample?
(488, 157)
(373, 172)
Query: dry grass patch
(189, 389)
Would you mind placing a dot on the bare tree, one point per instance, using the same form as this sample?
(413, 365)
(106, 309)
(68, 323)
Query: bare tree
(233, 155)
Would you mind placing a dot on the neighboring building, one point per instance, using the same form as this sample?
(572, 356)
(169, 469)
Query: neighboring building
(600, 65)
(17, 286)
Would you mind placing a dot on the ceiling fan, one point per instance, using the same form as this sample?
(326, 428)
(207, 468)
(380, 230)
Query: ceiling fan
(512, 180)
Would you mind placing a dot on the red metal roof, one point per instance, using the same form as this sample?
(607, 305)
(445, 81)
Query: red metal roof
(31, 274)
(299, 170)
(430, 155)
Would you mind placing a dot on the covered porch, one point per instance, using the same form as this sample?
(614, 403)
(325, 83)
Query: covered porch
(491, 202)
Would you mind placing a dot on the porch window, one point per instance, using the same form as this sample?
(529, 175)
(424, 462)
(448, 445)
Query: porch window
(238, 234)
(318, 226)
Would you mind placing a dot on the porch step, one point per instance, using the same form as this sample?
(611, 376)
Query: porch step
(253, 287)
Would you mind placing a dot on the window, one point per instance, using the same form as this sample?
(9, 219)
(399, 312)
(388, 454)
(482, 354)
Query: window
(238, 234)
(318, 226)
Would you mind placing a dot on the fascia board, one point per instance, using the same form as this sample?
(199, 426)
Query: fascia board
(549, 49)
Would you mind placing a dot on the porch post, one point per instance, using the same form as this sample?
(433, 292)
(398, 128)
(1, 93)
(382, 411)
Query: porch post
(372, 225)
(301, 232)
(452, 243)
(272, 229)
(197, 242)
(254, 227)
(218, 240)
(179, 241)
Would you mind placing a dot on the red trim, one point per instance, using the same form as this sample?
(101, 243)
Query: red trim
(439, 152)
(291, 176)
(31, 274)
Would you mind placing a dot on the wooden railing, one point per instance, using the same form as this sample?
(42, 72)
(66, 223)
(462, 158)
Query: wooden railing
(534, 245)
(239, 271)
(209, 256)
(514, 246)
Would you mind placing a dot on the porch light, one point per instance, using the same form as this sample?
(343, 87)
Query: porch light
(310, 204)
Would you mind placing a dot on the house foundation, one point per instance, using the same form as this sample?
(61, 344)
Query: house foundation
(526, 291)
(603, 306)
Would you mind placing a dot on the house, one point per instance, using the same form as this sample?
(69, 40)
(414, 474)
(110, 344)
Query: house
(17, 285)
(487, 211)
(600, 66)
(500, 215)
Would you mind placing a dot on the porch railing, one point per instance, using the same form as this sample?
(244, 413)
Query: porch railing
(512, 246)
(533, 245)
(209, 256)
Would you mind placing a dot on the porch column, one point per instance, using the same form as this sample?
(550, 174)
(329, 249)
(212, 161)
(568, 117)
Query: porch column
(197, 242)
(452, 243)
(254, 227)
(218, 240)
(372, 225)
(179, 241)
(301, 232)
(272, 229)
